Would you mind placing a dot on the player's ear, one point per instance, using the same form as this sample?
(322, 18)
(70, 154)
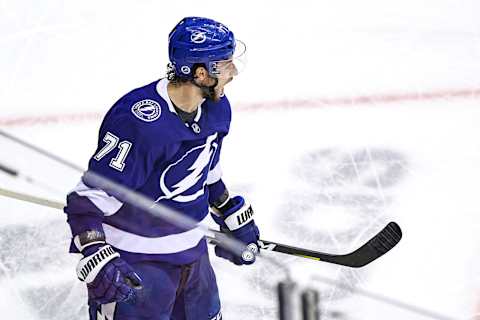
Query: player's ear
(201, 73)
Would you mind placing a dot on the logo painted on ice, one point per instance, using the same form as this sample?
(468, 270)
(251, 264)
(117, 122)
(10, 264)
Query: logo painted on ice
(147, 110)
(185, 180)
(198, 37)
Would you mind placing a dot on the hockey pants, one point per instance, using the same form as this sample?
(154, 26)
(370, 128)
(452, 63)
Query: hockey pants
(170, 292)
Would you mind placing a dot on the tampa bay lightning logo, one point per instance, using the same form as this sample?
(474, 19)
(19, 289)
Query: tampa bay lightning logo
(147, 110)
(198, 37)
(185, 179)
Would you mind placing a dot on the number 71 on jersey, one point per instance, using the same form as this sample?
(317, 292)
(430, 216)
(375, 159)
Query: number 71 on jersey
(112, 141)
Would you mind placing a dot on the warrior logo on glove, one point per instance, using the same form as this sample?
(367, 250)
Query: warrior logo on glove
(98, 259)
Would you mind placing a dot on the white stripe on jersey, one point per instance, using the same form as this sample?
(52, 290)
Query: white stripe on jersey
(107, 204)
(173, 243)
(215, 174)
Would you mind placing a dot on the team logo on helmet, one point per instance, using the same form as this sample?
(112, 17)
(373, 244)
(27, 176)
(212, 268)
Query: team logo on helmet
(147, 110)
(198, 37)
(185, 69)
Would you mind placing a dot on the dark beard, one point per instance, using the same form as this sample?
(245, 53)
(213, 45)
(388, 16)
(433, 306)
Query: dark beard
(211, 93)
(208, 92)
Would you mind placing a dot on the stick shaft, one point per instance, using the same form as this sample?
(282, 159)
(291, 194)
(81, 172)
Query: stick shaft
(41, 151)
(31, 199)
(350, 260)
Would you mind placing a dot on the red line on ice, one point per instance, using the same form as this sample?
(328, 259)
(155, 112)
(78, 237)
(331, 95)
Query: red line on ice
(22, 121)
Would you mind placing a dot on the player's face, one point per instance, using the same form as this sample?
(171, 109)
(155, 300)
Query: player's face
(226, 72)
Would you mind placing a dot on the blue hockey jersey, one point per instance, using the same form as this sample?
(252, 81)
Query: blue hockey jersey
(145, 146)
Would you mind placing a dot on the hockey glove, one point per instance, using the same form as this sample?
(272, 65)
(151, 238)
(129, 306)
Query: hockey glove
(108, 277)
(236, 219)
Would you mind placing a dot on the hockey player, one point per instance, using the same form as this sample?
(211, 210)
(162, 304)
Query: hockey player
(162, 140)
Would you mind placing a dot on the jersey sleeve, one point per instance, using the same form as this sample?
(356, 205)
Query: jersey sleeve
(216, 186)
(126, 155)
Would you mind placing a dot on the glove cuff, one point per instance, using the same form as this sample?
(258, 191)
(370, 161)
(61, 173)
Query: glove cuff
(88, 238)
(241, 217)
(233, 214)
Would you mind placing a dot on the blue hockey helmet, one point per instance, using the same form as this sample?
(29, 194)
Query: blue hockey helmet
(196, 40)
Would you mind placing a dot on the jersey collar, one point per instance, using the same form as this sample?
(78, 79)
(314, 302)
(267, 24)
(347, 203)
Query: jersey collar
(162, 91)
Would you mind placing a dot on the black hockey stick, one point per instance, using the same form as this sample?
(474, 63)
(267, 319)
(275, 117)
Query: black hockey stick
(377, 246)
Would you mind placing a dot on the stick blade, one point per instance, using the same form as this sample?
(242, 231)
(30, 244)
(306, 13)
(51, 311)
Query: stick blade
(376, 247)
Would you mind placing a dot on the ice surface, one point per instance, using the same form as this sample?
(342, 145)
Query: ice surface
(320, 177)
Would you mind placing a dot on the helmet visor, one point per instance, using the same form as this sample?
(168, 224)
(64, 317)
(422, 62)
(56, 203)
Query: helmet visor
(233, 66)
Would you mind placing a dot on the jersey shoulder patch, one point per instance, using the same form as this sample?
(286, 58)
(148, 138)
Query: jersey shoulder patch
(147, 110)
